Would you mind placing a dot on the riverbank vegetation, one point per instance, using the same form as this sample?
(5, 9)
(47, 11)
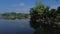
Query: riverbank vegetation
(14, 15)
(45, 20)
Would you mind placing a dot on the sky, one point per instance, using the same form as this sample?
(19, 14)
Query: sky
(23, 6)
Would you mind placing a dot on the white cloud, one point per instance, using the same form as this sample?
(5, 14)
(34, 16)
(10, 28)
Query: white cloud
(22, 4)
(55, 6)
(18, 5)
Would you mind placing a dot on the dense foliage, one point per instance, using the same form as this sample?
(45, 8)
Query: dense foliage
(45, 20)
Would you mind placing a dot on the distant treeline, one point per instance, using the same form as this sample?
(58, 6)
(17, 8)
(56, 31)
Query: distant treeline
(14, 15)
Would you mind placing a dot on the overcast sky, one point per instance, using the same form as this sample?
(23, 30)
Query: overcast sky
(23, 6)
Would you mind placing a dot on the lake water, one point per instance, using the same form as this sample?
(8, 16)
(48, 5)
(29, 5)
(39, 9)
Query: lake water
(15, 27)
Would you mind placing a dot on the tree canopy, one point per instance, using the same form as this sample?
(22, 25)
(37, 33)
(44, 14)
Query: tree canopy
(48, 19)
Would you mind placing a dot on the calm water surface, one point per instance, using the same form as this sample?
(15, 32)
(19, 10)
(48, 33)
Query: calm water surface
(15, 27)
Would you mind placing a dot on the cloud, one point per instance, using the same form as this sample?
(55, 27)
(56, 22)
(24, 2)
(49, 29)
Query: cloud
(55, 6)
(18, 5)
(19, 8)
(22, 4)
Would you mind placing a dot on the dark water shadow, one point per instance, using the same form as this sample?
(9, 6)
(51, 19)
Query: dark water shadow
(41, 28)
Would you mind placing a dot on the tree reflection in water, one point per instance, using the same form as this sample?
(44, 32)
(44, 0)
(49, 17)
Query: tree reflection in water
(45, 28)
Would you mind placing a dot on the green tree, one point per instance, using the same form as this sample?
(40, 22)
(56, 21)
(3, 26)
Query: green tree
(42, 17)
